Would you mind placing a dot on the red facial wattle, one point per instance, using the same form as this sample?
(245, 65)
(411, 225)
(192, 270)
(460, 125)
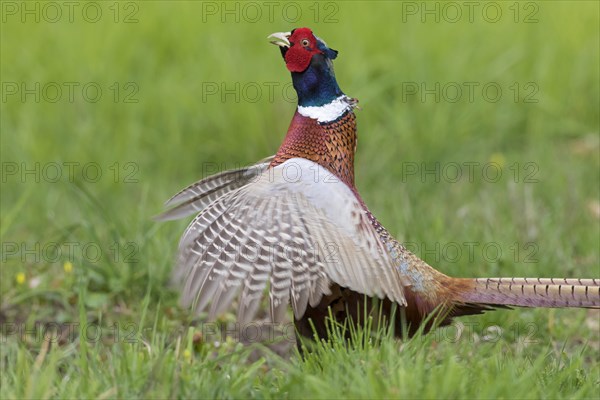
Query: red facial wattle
(303, 45)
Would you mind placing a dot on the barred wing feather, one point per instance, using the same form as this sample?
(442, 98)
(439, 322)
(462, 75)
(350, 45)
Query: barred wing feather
(199, 195)
(294, 229)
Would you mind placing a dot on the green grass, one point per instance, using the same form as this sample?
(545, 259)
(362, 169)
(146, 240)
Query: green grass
(172, 136)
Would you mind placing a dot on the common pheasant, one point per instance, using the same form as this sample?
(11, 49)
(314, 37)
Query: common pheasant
(295, 223)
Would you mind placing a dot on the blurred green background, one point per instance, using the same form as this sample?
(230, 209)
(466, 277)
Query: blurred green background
(190, 87)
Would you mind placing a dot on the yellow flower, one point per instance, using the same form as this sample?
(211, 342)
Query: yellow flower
(68, 267)
(498, 158)
(20, 278)
(187, 354)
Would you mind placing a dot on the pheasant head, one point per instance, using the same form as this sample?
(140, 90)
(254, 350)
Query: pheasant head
(310, 61)
(323, 129)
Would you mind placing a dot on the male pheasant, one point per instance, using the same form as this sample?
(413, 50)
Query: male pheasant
(295, 223)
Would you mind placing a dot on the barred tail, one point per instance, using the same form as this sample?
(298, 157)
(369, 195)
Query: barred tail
(530, 292)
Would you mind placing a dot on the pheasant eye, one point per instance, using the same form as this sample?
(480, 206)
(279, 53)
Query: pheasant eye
(305, 42)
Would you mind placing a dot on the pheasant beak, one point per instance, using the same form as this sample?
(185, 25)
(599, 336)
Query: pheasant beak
(280, 39)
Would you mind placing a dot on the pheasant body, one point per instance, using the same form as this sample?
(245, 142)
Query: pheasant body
(331, 145)
(295, 223)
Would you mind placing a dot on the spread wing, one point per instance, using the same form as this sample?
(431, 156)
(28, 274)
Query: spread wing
(197, 196)
(295, 228)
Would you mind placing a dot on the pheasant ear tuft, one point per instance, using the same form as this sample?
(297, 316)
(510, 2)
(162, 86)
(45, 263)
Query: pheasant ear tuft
(331, 53)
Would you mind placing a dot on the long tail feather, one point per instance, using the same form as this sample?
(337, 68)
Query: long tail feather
(530, 292)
